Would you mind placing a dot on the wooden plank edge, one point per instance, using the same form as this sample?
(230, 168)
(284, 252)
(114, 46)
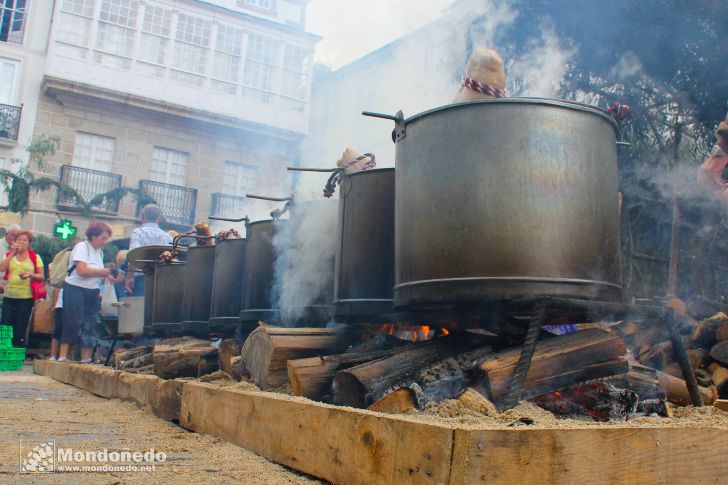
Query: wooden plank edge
(338, 444)
(161, 396)
(345, 445)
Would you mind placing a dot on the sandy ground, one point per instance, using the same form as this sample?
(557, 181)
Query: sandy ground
(35, 409)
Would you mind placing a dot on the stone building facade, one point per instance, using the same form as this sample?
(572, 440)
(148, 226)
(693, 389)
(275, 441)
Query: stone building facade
(193, 103)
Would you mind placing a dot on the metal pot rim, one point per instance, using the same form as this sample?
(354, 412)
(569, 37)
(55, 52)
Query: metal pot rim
(371, 170)
(266, 220)
(560, 103)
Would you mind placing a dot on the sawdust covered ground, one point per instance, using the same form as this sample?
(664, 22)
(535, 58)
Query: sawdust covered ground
(529, 415)
(452, 413)
(35, 409)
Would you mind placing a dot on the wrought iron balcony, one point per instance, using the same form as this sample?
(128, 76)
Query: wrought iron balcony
(9, 121)
(178, 203)
(89, 183)
(230, 206)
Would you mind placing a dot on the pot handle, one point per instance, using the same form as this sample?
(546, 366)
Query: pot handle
(400, 130)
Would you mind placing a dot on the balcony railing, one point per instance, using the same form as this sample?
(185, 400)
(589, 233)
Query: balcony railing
(88, 183)
(230, 206)
(177, 203)
(9, 121)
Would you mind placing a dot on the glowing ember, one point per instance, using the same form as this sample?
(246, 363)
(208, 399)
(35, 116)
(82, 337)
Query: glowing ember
(406, 331)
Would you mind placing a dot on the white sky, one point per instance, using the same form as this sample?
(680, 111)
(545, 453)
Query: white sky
(353, 28)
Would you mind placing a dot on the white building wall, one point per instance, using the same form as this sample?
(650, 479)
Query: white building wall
(261, 75)
(29, 60)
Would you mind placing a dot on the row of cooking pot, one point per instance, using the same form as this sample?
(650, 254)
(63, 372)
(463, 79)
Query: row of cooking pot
(496, 199)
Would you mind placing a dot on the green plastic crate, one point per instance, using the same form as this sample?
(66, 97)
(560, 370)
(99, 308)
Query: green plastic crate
(12, 353)
(10, 365)
(6, 331)
(6, 342)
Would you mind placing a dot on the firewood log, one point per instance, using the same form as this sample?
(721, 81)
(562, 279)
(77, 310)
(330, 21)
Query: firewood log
(228, 349)
(559, 362)
(720, 379)
(396, 402)
(721, 330)
(677, 391)
(719, 352)
(721, 404)
(477, 402)
(658, 355)
(236, 370)
(267, 351)
(122, 355)
(141, 361)
(362, 385)
(697, 357)
(312, 377)
(705, 332)
(180, 357)
(147, 369)
(207, 366)
(644, 381)
(640, 333)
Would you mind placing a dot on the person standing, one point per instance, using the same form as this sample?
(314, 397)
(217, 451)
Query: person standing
(21, 267)
(148, 234)
(11, 233)
(81, 294)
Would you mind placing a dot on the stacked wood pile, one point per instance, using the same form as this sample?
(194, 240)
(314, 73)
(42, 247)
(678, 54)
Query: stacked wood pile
(704, 334)
(465, 366)
(170, 358)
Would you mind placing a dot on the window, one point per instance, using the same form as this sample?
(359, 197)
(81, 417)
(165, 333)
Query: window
(294, 76)
(93, 151)
(191, 47)
(240, 178)
(156, 30)
(227, 53)
(266, 4)
(12, 20)
(8, 80)
(120, 12)
(117, 24)
(261, 65)
(169, 166)
(79, 7)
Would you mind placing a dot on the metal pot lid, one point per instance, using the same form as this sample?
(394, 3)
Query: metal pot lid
(145, 258)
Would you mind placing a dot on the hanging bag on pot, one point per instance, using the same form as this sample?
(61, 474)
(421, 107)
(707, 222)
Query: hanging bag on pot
(108, 301)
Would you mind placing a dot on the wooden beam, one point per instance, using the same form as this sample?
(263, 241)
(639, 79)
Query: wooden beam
(337, 444)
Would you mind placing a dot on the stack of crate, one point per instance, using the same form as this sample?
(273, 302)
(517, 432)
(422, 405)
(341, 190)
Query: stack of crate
(11, 358)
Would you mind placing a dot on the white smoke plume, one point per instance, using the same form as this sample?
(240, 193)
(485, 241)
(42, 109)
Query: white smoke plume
(304, 269)
(540, 71)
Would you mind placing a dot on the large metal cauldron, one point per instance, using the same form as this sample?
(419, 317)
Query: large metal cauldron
(227, 286)
(260, 257)
(198, 290)
(309, 240)
(168, 295)
(365, 257)
(506, 198)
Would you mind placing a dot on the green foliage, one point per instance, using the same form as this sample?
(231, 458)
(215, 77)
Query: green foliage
(20, 184)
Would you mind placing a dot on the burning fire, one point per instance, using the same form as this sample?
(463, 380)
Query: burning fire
(407, 331)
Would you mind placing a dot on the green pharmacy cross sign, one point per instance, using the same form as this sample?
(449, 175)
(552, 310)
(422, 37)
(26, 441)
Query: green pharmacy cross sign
(64, 229)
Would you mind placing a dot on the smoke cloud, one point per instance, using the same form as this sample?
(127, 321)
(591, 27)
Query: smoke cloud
(304, 269)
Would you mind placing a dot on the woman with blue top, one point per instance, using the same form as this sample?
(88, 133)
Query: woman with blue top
(81, 295)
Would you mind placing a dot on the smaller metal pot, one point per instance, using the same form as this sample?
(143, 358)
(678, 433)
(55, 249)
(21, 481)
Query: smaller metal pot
(168, 296)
